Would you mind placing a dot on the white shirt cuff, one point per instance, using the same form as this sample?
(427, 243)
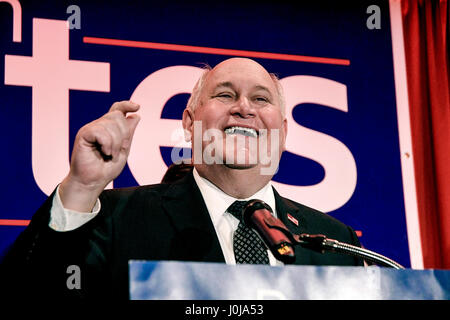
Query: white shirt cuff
(62, 219)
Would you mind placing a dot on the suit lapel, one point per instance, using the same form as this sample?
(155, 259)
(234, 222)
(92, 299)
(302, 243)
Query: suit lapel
(195, 237)
(289, 214)
(287, 209)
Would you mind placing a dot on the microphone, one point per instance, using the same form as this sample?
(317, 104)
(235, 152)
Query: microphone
(280, 241)
(257, 215)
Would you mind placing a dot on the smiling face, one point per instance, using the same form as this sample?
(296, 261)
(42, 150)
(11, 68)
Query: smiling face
(239, 104)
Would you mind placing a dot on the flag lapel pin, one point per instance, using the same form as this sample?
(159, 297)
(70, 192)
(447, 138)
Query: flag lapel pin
(292, 219)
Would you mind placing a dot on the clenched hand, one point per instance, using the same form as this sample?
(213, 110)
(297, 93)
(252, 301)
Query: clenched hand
(99, 154)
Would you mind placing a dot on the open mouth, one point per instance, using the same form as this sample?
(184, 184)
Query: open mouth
(249, 132)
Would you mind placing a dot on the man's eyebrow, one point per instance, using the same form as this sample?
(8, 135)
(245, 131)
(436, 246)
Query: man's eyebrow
(226, 84)
(260, 87)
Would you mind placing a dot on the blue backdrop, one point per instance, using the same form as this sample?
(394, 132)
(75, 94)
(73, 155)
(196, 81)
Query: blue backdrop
(312, 28)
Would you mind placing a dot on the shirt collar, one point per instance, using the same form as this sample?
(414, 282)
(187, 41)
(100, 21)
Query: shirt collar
(218, 201)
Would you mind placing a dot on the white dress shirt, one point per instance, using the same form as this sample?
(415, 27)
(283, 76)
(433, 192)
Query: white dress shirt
(62, 219)
(216, 201)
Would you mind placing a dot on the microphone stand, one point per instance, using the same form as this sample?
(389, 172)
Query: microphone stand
(321, 243)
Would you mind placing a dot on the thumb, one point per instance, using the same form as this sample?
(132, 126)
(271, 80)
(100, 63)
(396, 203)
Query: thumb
(132, 122)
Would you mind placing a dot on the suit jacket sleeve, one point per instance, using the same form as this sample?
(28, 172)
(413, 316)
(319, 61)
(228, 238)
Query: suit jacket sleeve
(37, 263)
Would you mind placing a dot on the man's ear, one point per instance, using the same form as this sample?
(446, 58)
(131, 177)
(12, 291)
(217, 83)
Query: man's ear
(284, 127)
(188, 124)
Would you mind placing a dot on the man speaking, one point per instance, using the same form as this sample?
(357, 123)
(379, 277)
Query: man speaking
(235, 120)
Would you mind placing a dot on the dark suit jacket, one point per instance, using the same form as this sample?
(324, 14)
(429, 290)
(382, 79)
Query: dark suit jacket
(157, 222)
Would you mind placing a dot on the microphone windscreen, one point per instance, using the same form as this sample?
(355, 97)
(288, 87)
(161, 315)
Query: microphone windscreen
(257, 215)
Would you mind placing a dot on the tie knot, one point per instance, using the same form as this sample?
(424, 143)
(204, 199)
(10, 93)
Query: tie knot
(236, 209)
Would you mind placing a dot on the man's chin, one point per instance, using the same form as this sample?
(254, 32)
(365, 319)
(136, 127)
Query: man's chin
(239, 166)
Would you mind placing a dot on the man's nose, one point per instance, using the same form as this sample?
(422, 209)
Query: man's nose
(243, 108)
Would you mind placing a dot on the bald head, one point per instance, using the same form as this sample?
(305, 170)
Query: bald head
(237, 66)
(240, 65)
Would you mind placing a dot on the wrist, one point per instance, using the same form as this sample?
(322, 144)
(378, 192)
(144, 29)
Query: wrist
(77, 196)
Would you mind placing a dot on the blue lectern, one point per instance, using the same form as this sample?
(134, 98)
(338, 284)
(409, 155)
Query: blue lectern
(214, 281)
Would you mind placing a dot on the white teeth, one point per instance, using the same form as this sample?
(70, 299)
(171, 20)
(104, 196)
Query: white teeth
(241, 130)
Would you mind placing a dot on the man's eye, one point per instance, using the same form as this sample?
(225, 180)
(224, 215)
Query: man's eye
(261, 99)
(225, 95)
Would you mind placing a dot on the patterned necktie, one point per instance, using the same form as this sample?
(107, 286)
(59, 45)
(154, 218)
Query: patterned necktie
(248, 247)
